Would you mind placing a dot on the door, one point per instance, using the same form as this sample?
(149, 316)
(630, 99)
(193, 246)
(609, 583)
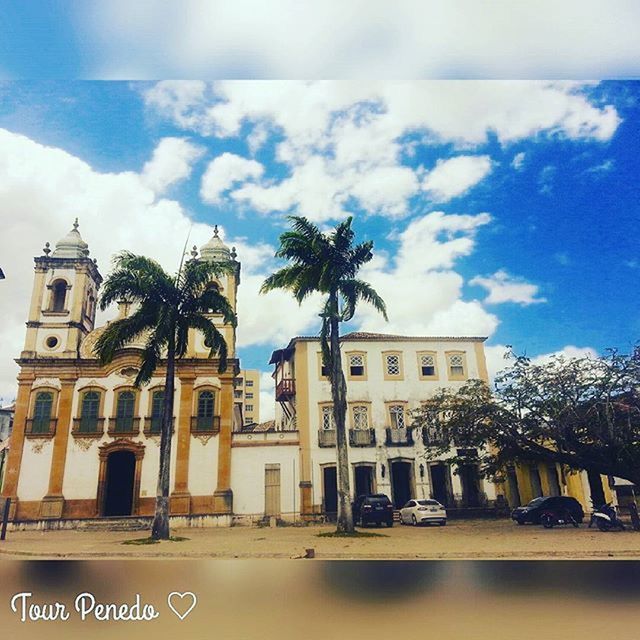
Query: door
(514, 489)
(401, 484)
(272, 490)
(363, 480)
(330, 492)
(121, 466)
(441, 483)
(470, 481)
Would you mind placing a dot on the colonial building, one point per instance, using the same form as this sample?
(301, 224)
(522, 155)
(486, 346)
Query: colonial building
(86, 441)
(246, 395)
(387, 377)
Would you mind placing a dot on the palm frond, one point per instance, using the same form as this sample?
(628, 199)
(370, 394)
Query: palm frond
(213, 338)
(355, 290)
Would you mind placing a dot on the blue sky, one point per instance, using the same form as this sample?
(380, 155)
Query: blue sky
(508, 210)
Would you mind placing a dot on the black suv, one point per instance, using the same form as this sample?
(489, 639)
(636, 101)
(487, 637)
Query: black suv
(373, 509)
(559, 506)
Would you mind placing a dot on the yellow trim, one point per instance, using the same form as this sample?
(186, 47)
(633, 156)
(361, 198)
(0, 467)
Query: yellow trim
(217, 393)
(81, 393)
(481, 361)
(136, 399)
(301, 374)
(385, 372)
(321, 406)
(434, 355)
(363, 377)
(465, 368)
(320, 376)
(54, 402)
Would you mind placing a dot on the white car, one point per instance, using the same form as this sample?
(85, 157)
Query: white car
(423, 511)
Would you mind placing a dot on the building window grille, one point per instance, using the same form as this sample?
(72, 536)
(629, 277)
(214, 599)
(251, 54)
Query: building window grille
(393, 365)
(456, 365)
(427, 365)
(356, 365)
(360, 418)
(396, 412)
(327, 418)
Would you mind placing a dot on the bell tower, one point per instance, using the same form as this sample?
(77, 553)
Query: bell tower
(64, 299)
(217, 251)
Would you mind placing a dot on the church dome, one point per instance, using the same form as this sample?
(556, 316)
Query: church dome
(215, 250)
(72, 245)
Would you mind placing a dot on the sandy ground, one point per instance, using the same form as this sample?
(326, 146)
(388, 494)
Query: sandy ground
(471, 539)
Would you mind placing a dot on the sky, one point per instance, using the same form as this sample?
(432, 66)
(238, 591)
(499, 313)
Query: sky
(505, 209)
(498, 207)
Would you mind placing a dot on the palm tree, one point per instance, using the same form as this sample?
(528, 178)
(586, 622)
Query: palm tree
(328, 264)
(166, 308)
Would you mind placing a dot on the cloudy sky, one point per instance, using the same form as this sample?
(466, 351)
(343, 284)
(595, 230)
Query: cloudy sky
(503, 209)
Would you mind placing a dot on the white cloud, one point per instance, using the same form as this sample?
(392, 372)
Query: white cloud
(569, 352)
(225, 171)
(455, 176)
(503, 287)
(267, 397)
(172, 161)
(411, 38)
(422, 292)
(518, 160)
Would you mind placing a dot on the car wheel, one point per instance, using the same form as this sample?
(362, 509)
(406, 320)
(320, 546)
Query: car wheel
(548, 520)
(603, 525)
(520, 522)
(413, 520)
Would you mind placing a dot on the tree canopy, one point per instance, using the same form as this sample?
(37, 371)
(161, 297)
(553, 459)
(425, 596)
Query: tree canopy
(579, 412)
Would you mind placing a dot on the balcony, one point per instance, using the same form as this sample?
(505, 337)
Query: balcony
(399, 437)
(88, 427)
(205, 424)
(41, 427)
(327, 438)
(432, 437)
(124, 425)
(285, 389)
(153, 425)
(362, 437)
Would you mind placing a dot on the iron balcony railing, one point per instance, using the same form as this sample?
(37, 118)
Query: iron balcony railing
(153, 425)
(89, 426)
(432, 437)
(362, 437)
(327, 438)
(41, 426)
(124, 424)
(205, 424)
(399, 437)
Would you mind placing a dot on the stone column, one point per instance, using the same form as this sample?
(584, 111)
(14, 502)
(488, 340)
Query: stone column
(223, 496)
(53, 503)
(181, 498)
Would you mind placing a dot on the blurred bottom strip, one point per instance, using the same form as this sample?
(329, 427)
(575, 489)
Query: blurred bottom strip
(275, 599)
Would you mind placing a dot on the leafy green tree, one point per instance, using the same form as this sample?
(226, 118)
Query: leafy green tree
(166, 308)
(580, 412)
(328, 264)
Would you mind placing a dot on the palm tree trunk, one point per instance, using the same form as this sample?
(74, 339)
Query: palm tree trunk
(160, 527)
(339, 396)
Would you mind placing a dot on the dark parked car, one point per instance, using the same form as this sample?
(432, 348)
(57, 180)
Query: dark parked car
(373, 509)
(559, 506)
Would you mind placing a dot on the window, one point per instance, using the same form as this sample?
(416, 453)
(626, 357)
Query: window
(327, 418)
(205, 410)
(393, 365)
(42, 412)
(427, 365)
(157, 410)
(89, 412)
(396, 413)
(58, 295)
(248, 396)
(456, 365)
(356, 365)
(237, 394)
(249, 407)
(124, 411)
(249, 383)
(360, 417)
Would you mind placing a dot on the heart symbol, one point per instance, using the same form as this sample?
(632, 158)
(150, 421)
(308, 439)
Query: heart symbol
(187, 594)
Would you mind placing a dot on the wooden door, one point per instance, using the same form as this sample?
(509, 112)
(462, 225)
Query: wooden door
(272, 490)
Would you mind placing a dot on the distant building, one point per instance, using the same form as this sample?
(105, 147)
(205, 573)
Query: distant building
(6, 426)
(246, 395)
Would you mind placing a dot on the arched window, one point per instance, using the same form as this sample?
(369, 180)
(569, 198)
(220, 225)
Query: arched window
(89, 412)
(42, 412)
(157, 410)
(205, 410)
(58, 295)
(124, 411)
